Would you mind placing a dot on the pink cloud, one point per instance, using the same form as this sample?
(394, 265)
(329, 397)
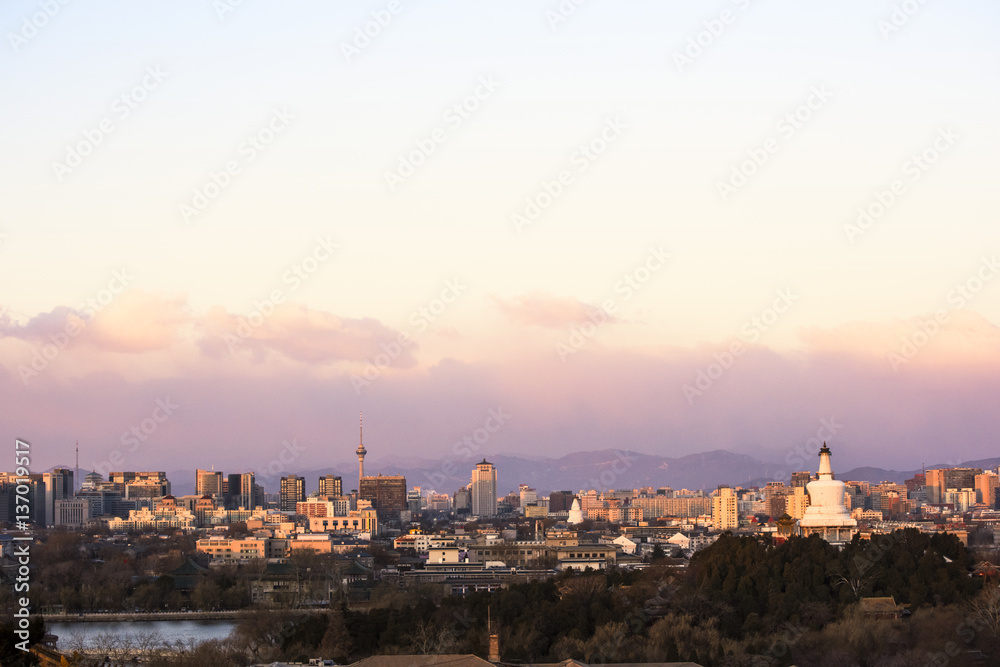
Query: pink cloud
(548, 311)
(302, 334)
(952, 337)
(236, 414)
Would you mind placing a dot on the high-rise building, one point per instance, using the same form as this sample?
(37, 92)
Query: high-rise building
(74, 512)
(915, 483)
(484, 490)
(12, 509)
(414, 501)
(801, 478)
(243, 492)
(942, 479)
(208, 482)
(462, 500)
(560, 501)
(774, 498)
(797, 502)
(58, 486)
(724, 515)
(293, 490)
(986, 485)
(121, 480)
(331, 486)
(387, 493)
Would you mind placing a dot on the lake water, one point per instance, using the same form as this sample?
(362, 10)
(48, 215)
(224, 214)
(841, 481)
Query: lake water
(169, 631)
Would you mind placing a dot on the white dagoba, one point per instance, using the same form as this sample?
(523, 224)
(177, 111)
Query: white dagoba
(827, 516)
(575, 513)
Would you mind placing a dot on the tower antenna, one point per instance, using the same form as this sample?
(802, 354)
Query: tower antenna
(76, 475)
(361, 451)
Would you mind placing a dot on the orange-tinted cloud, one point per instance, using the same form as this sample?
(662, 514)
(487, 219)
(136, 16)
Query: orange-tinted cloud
(952, 337)
(302, 334)
(548, 311)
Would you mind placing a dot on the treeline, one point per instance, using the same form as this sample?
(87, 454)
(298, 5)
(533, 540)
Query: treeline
(740, 603)
(76, 573)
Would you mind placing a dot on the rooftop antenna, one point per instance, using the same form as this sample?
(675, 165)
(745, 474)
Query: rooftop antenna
(76, 475)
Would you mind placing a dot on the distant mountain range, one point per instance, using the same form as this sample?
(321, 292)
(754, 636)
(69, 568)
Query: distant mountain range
(602, 469)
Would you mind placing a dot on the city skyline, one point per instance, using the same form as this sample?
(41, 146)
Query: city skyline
(647, 225)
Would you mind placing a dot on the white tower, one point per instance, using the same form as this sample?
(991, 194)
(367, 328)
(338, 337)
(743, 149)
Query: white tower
(827, 516)
(575, 513)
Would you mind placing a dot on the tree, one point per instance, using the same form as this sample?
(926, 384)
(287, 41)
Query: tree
(986, 607)
(337, 643)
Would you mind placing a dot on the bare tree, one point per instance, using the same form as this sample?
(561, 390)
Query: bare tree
(858, 584)
(986, 607)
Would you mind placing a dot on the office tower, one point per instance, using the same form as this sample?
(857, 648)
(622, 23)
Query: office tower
(801, 478)
(483, 488)
(462, 500)
(243, 492)
(797, 502)
(986, 485)
(58, 486)
(560, 501)
(293, 490)
(724, 515)
(774, 498)
(414, 501)
(387, 493)
(122, 480)
(331, 486)
(942, 479)
(208, 483)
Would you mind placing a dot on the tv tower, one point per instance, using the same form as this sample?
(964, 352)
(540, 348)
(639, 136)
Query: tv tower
(361, 451)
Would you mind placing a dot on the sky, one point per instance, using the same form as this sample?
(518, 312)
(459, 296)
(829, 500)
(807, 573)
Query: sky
(228, 227)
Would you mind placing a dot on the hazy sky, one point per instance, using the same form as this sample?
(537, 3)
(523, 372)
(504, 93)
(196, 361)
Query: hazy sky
(571, 212)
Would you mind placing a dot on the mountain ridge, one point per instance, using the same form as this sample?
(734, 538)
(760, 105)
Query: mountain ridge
(599, 469)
